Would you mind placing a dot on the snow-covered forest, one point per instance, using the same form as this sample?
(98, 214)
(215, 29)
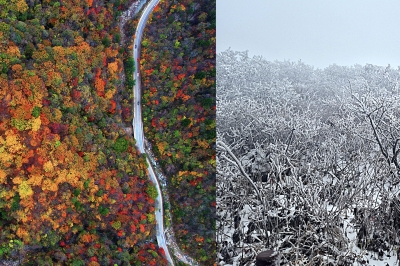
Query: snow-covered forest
(307, 162)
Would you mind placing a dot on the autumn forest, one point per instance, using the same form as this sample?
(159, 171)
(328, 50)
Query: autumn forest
(178, 63)
(73, 188)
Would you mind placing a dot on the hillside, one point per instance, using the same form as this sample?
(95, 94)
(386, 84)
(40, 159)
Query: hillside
(178, 77)
(308, 162)
(73, 189)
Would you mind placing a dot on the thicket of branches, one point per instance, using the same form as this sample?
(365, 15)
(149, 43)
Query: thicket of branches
(307, 161)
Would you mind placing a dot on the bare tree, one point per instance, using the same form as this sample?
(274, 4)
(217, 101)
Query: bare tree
(307, 161)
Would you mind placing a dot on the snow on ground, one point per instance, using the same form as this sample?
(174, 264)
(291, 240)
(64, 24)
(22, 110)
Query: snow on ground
(363, 257)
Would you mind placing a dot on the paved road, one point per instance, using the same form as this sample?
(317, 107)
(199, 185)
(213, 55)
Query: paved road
(138, 130)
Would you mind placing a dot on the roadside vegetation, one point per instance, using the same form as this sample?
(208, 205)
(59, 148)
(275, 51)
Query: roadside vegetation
(178, 78)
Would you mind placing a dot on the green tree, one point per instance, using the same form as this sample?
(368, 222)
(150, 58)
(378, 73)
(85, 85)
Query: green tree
(121, 145)
(152, 192)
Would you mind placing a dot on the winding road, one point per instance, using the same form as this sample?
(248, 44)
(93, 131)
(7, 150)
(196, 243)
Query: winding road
(138, 130)
(137, 124)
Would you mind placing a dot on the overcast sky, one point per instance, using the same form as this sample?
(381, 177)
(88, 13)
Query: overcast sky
(319, 32)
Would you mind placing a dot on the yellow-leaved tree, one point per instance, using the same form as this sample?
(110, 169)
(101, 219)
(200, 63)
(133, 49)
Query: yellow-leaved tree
(25, 190)
(112, 69)
(35, 124)
(3, 176)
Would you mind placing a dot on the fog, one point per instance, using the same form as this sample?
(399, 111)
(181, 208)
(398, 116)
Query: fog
(319, 33)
